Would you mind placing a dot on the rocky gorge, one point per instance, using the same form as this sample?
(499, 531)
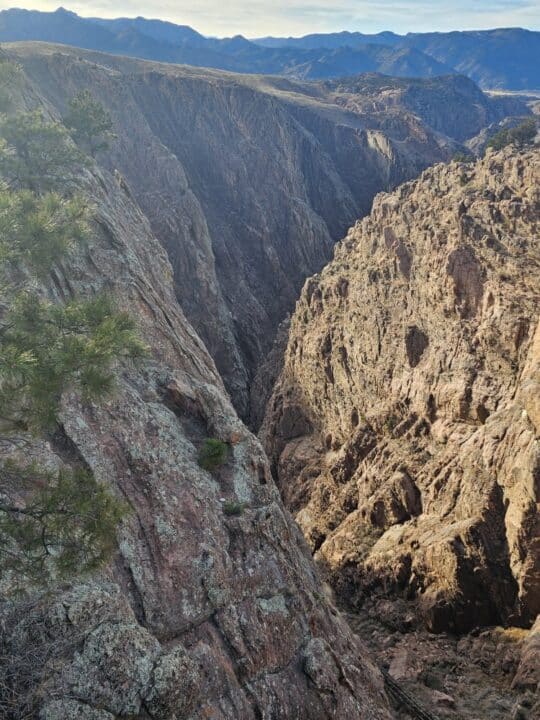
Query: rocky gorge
(402, 431)
(204, 612)
(404, 427)
(248, 181)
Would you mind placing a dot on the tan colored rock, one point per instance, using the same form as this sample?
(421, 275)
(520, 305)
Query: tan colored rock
(442, 699)
(528, 672)
(404, 427)
(401, 667)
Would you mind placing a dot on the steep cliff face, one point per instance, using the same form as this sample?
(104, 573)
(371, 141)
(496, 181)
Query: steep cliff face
(434, 101)
(404, 428)
(246, 181)
(205, 613)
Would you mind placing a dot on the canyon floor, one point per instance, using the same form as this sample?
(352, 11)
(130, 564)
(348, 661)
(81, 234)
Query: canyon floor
(455, 678)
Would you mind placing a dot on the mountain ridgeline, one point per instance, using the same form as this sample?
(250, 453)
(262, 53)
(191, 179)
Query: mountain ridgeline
(501, 58)
(249, 181)
(495, 59)
(403, 428)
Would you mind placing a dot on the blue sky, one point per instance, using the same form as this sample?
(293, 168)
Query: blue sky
(298, 17)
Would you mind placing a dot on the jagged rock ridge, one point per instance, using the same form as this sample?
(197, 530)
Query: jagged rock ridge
(204, 613)
(248, 181)
(404, 428)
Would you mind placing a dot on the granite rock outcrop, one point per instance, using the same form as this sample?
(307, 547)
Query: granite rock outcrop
(404, 429)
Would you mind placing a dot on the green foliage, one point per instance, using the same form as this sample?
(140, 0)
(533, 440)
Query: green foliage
(391, 422)
(89, 123)
(525, 133)
(48, 348)
(36, 153)
(463, 157)
(39, 231)
(67, 526)
(10, 76)
(67, 521)
(213, 454)
(234, 509)
(522, 135)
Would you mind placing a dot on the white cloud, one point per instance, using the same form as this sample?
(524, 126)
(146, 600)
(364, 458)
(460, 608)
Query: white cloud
(299, 17)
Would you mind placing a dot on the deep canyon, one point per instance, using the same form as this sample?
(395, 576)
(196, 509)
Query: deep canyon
(398, 405)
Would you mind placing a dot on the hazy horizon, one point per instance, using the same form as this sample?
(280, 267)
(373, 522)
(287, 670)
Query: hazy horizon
(303, 17)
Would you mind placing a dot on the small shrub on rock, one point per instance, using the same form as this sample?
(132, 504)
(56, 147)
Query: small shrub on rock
(522, 135)
(234, 509)
(464, 157)
(213, 454)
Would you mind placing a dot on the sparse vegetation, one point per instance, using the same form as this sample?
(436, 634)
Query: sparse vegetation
(391, 423)
(234, 509)
(463, 157)
(89, 123)
(67, 526)
(49, 348)
(36, 153)
(522, 135)
(62, 522)
(213, 454)
(37, 231)
(10, 76)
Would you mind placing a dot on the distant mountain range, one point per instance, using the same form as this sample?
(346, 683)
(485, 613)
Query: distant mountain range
(495, 59)
(503, 58)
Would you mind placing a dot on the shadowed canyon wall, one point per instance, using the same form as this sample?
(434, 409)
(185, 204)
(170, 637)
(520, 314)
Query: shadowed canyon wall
(248, 181)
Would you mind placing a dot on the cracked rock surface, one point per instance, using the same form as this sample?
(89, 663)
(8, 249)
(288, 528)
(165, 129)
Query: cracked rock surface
(404, 429)
(202, 614)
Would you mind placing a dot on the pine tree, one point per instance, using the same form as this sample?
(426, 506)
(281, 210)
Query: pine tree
(37, 231)
(47, 349)
(36, 153)
(89, 123)
(66, 527)
(63, 522)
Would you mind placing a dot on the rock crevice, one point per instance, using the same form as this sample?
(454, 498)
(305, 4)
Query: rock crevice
(417, 472)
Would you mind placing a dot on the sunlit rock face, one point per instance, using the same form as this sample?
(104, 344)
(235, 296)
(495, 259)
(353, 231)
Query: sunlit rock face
(248, 181)
(404, 428)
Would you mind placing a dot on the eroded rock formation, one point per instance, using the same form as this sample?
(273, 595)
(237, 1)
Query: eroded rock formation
(212, 607)
(248, 181)
(404, 428)
(205, 613)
